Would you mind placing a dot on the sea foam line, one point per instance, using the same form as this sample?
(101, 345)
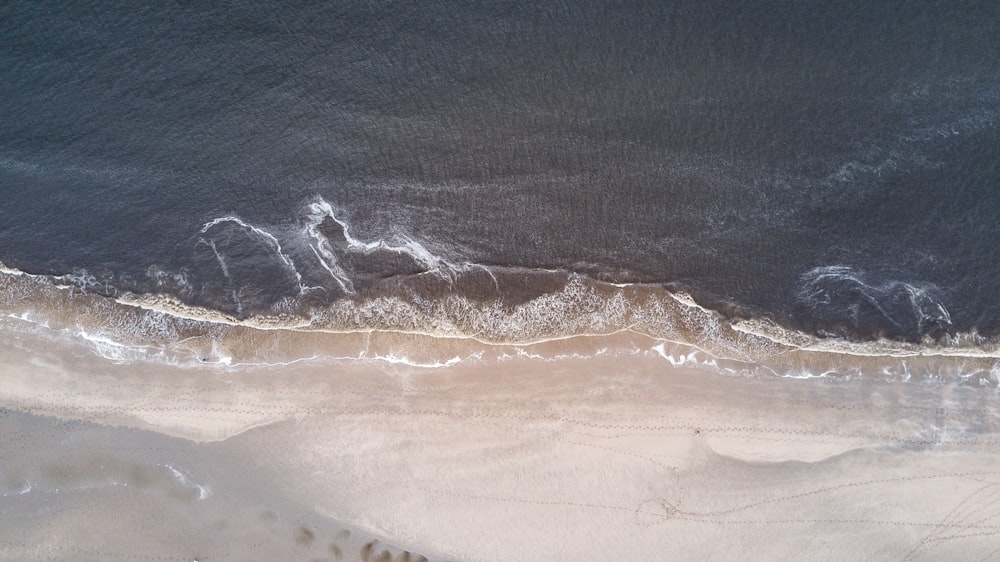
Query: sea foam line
(203, 491)
(321, 209)
(268, 238)
(791, 341)
(323, 250)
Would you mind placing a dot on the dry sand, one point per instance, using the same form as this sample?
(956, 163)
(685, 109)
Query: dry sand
(606, 458)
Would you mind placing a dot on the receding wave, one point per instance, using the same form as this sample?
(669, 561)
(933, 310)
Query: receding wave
(408, 321)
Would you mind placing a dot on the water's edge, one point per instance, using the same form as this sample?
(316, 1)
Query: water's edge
(582, 317)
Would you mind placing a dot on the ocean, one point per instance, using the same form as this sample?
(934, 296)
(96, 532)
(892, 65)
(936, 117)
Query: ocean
(737, 178)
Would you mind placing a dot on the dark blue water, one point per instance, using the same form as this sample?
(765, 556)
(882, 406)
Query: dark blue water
(832, 166)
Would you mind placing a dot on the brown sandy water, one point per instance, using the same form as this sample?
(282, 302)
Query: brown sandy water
(411, 328)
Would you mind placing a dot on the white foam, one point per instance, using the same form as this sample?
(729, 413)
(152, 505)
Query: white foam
(804, 374)
(320, 210)
(824, 288)
(83, 280)
(522, 353)
(122, 353)
(107, 348)
(225, 273)
(692, 358)
(203, 491)
(404, 360)
(682, 333)
(14, 272)
(321, 247)
(220, 259)
(221, 357)
(266, 236)
(29, 318)
(228, 361)
(921, 298)
(26, 488)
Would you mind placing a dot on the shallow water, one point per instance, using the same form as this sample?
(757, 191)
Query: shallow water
(582, 319)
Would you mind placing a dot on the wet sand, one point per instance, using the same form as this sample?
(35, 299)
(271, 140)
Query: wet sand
(579, 458)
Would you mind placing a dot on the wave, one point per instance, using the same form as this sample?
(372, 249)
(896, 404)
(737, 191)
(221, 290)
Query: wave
(842, 301)
(580, 318)
(246, 269)
(312, 290)
(321, 211)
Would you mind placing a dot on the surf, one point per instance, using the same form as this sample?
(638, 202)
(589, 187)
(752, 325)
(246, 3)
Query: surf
(582, 318)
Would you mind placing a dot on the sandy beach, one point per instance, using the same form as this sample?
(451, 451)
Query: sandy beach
(578, 458)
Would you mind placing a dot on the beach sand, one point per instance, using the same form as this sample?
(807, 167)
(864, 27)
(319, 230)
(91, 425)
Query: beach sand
(598, 457)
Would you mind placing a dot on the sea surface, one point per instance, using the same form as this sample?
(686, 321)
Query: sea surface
(740, 177)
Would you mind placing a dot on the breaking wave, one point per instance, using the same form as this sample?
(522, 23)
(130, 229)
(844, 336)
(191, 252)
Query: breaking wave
(421, 326)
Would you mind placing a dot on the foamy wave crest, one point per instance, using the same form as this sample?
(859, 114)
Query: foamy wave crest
(841, 301)
(579, 318)
(326, 251)
(247, 269)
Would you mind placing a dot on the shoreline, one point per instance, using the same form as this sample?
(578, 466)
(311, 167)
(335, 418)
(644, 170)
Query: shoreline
(479, 461)
(649, 322)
